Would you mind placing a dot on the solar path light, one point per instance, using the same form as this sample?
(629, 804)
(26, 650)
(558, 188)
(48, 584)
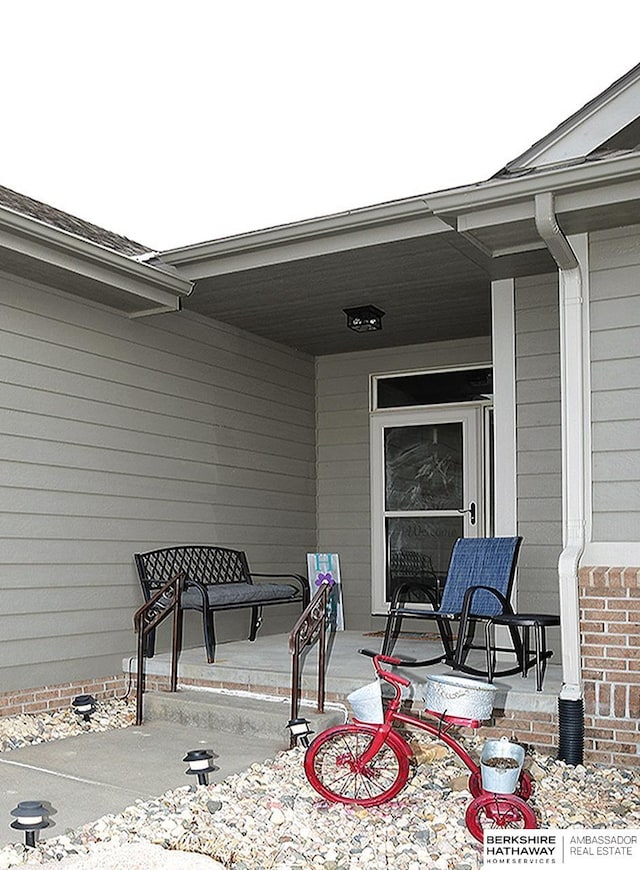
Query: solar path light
(84, 706)
(30, 817)
(300, 730)
(199, 761)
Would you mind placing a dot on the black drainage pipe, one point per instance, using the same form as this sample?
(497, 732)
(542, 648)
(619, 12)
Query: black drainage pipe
(571, 724)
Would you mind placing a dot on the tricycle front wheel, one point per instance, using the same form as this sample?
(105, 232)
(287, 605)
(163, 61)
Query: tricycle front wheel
(489, 811)
(334, 768)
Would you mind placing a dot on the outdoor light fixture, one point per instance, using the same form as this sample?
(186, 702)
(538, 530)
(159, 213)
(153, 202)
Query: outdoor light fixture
(199, 761)
(300, 730)
(364, 318)
(31, 816)
(84, 706)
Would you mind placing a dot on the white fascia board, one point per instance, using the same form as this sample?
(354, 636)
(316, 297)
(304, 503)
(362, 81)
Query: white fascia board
(597, 197)
(503, 199)
(342, 232)
(64, 250)
(500, 214)
(587, 129)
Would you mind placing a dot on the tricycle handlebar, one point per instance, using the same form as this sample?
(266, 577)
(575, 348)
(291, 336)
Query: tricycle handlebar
(378, 659)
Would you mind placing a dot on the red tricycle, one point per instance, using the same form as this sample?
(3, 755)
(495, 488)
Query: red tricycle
(366, 764)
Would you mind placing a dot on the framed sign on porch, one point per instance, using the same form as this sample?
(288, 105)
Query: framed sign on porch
(325, 568)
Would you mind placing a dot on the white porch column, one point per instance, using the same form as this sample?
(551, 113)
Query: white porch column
(504, 404)
(503, 346)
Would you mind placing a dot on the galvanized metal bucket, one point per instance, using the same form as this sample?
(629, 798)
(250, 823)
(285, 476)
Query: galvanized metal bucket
(366, 703)
(500, 765)
(459, 696)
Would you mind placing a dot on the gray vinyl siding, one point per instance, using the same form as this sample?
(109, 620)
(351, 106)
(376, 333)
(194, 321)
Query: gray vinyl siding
(615, 383)
(343, 455)
(538, 442)
(121, 435)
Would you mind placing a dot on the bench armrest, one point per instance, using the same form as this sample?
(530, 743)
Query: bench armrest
(202, 589)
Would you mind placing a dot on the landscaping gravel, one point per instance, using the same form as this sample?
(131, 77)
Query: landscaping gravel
(269, 817)
(32, 728)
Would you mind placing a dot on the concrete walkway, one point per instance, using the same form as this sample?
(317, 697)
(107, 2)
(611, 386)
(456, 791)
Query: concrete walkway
(97, 773)
(88, 776)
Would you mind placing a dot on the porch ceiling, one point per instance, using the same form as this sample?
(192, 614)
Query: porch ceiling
(433, 287)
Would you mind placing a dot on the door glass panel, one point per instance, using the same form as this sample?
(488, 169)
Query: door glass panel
(424, 467)
(418, 550)
(433, 388)
(425, 487)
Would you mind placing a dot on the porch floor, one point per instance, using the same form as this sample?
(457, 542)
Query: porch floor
(265, 667)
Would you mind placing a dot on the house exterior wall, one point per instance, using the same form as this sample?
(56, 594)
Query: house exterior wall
(125, 435)
(343, 469)
(615, 383)
(538, 442)
(610, 590)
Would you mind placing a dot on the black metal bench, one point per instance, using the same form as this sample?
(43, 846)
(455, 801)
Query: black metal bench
(216, 578)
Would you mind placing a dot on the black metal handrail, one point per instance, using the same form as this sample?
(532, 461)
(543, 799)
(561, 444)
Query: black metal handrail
(148, 617)
(311, 626)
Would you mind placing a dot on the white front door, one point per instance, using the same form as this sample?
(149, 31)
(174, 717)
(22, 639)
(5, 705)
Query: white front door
(426, 489)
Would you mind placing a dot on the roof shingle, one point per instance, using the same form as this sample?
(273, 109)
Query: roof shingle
(54, 217)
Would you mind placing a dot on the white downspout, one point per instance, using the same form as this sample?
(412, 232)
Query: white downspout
(573, 451)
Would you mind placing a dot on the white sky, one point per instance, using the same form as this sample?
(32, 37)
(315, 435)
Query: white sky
(178, 122)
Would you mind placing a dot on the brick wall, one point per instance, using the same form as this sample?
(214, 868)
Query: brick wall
(60, 695)
(610, 639)
(610, 643)
(532, 728)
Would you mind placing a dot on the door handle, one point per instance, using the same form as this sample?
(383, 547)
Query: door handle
(471, 510)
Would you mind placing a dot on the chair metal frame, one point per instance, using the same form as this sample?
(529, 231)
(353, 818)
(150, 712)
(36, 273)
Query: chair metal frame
(465, 602)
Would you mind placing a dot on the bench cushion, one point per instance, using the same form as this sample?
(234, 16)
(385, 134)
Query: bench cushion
(228, 594)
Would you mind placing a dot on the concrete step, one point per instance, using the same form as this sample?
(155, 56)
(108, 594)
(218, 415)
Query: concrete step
(240, 713)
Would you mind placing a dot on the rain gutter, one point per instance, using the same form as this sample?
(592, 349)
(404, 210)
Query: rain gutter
(517, 189)
(31, 238)
(386, 222)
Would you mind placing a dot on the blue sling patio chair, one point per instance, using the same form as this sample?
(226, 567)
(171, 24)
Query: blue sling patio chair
(477, 588)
